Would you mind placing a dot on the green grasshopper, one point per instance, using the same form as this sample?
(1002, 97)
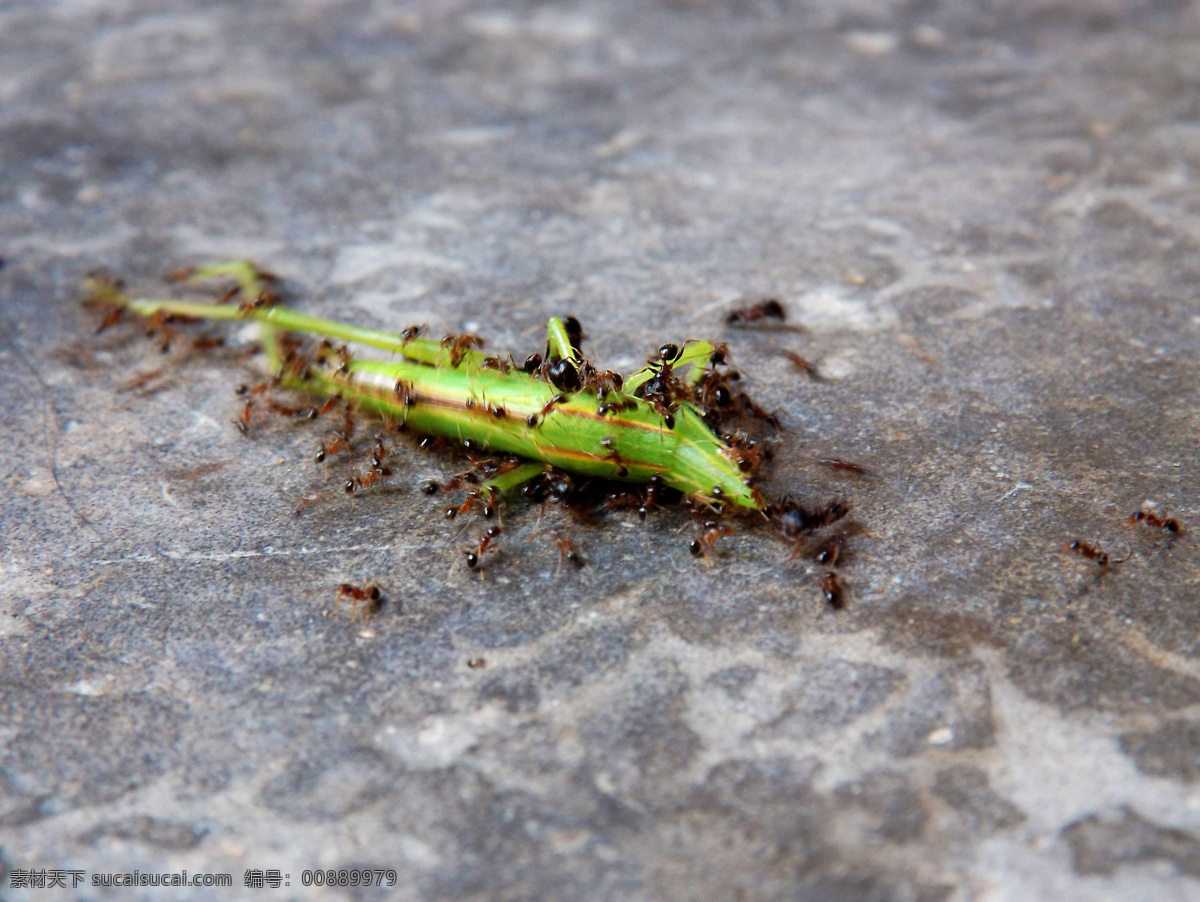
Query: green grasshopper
(559, 412)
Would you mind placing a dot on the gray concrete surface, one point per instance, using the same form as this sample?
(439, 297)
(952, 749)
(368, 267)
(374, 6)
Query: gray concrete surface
(983, 214)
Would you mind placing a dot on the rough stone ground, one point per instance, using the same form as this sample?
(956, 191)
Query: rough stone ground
(986, 219)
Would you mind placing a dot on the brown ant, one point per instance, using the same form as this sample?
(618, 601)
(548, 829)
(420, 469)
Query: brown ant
(654, 487)
(534, 418)
(1150, 518)
(460, 346)
(485, 545)
(484, 501)
(713, 530)
(227, 295)
(607, 445)
(804, 365)
(158, 325)
(476, 663)
(496, 363)
(705, 544)
(410, 333)
(265, 298)
(745, 452)
(365, 481)
(284, 411)
(405, 393)
(340, 440)
(141, 380)
(337, 359)
(110, 319)
(104, 293)
(569, 551)
(243, 420)
(664, 390)
(207, 342)
(603, 383)
(1083, 549)
(244, 389)
(768, 309)
(843, 466)
(834, 591)
(367, 599)
(313, 412)
(830, 551)
(793, 520)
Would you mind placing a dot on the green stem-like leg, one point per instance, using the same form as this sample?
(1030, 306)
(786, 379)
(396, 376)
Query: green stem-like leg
(559, 341)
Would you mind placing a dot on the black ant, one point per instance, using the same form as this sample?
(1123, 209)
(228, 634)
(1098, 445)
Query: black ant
(768, 309)
(574, 334)
(561, 373)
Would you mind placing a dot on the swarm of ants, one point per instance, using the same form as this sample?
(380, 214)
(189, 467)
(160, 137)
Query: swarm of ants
(821, 533)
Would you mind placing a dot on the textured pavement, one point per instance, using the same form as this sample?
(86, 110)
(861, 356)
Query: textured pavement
(984, 221)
